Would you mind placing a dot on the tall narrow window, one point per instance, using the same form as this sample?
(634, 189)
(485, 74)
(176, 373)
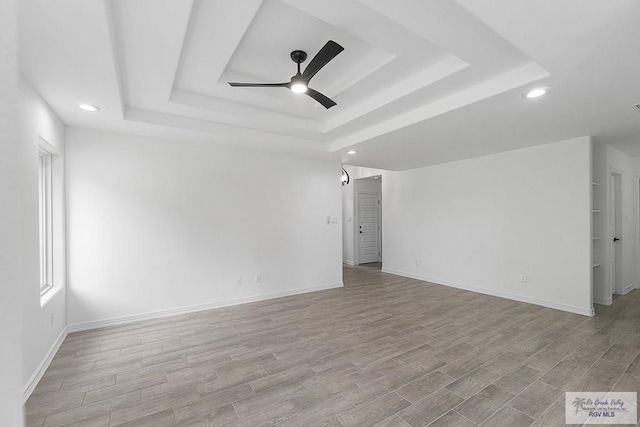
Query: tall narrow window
(45, 217)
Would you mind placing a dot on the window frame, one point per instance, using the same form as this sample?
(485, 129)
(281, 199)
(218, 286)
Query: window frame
(45, 219)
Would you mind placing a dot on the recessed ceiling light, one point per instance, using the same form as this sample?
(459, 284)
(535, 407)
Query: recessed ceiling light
(535, 93)
(88, 107)
(351, 152)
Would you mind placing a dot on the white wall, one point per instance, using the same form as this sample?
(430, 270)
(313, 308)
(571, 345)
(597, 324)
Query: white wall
(481, 223)
(11, 162)
(160, 225)
(348, 206)
(38, 122)
(605, 160)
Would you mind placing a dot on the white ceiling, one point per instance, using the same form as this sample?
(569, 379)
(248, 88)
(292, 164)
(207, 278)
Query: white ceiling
(419, 82)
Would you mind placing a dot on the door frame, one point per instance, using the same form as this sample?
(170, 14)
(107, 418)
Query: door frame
(614, 226)
(356, 225)
(636, 215)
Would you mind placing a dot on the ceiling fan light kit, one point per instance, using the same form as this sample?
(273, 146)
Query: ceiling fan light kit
(300, 82)
(298, 85)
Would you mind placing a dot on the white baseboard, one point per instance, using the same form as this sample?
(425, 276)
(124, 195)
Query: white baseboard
(349, 262)
(628, 289)
(42, 368)
(115, 321)
(530, 300)
(602, 301)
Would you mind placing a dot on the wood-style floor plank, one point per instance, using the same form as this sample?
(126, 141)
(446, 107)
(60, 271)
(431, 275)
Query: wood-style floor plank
(384, 350)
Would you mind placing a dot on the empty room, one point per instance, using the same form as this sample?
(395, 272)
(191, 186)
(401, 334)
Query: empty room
(337, 213)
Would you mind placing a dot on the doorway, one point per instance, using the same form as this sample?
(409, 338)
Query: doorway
(368, 224)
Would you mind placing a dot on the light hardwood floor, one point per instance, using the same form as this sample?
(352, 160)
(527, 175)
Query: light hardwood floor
(383, 350)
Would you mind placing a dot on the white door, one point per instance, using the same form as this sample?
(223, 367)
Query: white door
(368, 228)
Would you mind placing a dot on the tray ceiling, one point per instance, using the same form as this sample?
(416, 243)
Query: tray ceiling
(409, 67)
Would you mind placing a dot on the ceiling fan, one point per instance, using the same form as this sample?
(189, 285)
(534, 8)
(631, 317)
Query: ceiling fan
(300, 82)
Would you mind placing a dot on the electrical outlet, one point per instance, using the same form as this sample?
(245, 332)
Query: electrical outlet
(239, 281)
(258, 279)
(523, 278)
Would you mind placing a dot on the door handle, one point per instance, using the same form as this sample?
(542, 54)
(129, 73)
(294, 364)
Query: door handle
(615, 239)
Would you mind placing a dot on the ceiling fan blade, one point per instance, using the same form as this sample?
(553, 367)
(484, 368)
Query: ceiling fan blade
(234, 84)
(326, 102)
(329, 51)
